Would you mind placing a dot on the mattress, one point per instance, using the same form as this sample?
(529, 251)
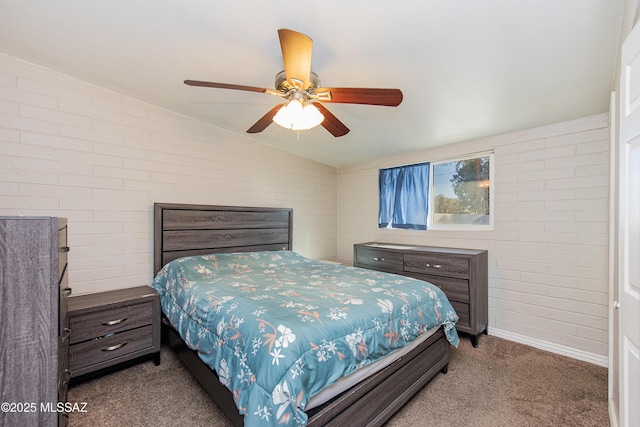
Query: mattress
(345, 383)
(279, 328)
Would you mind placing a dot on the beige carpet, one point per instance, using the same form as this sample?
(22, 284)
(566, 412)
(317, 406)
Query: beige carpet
(500, 383)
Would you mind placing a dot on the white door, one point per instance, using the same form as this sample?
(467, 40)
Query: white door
(629, 232)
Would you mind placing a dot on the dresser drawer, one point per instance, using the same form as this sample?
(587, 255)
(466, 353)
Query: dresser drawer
(379, 259)
(462, 310)
(63, 250)
(110, 347)
(436, 264)
(454, 289)
(101, 323)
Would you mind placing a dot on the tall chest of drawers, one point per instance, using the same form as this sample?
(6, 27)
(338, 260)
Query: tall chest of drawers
(461, 273)
(34, 332)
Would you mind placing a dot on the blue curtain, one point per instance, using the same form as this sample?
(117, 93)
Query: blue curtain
(404, 197)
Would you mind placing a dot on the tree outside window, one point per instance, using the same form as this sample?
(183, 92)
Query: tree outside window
(461, 192)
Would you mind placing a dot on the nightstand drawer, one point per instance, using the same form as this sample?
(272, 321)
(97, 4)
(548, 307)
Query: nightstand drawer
(379, 259)
(110, 347)
(436, 264)
(101, 323)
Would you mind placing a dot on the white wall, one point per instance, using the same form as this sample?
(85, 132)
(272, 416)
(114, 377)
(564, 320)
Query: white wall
(101, 159)
(548, 252)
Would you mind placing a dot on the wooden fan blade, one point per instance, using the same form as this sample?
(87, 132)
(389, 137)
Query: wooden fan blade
(331, 122)
(225, 86)
(296, 55)
(265, 120)
(347, 95)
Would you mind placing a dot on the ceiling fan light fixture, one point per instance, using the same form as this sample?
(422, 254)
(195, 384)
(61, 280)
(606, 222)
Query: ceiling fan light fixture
(298, 85)
(298, 116)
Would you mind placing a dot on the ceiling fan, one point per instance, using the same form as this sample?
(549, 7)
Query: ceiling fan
(303, 95)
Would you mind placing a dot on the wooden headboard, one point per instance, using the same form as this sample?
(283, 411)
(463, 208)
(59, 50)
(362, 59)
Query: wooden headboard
(184, 230)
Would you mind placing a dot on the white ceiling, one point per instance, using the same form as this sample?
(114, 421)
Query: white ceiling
(467, 68)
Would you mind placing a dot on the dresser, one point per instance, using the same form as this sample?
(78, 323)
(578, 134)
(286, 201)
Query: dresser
(34, 332)
(461, 273)
(113, 327)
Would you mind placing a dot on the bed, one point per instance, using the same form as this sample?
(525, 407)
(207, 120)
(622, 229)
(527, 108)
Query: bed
(224, 245)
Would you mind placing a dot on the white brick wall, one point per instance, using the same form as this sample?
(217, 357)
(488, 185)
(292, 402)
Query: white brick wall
(101, 159)
(548, 252)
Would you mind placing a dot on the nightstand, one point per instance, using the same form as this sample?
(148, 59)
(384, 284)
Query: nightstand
(109, 328)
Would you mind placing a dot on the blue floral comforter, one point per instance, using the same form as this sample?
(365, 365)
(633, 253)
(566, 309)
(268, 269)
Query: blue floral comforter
(278, 327)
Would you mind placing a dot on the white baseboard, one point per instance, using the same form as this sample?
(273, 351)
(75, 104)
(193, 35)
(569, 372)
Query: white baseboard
(585, 356)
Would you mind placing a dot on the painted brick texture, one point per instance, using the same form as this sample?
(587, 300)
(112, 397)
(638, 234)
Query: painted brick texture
(101, 159)
(548, 252)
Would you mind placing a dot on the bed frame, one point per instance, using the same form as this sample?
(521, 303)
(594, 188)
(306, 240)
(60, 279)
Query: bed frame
(184, 230)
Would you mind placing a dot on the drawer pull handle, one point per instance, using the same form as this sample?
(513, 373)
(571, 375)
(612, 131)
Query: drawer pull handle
(65, 249)
(378, 259)
(115, 347)
(428, 265)
(67, 372)
(67, 291)
(67, 334)
(114, 322)
(437, 266)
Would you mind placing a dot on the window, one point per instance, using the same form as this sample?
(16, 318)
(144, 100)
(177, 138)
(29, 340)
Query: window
(444, 195)
(460, 195)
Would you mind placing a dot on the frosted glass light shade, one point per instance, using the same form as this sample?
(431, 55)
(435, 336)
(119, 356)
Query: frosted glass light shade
(295, 116)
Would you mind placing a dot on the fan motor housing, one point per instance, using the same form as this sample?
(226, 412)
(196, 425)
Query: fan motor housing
(283, 85)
